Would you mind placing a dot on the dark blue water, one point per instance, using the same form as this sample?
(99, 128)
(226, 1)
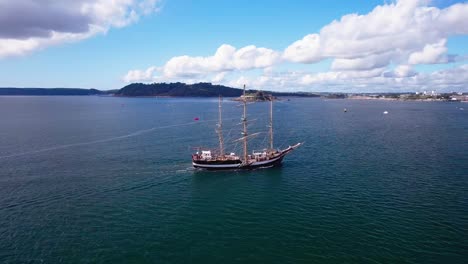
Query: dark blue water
(108, 180)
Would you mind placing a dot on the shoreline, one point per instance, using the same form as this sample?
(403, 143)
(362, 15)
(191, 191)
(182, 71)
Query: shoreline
(406, 100)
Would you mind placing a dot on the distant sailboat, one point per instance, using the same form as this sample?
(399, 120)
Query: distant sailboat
(207, 159)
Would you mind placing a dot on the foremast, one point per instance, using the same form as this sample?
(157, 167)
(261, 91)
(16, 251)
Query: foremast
(244, 124)
(271, 122)
(219, 129)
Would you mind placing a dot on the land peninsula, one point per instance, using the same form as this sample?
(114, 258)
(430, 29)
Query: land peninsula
(198, 90)
(177, 89)
(204, 89)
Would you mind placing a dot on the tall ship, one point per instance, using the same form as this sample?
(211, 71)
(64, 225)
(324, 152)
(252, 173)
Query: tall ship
(220, 160)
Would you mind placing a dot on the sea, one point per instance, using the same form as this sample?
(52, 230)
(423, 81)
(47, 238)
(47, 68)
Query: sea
(109, 180)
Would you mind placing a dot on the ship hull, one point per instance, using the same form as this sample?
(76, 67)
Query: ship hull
(239, 165)
(217, 165)
(265, 164)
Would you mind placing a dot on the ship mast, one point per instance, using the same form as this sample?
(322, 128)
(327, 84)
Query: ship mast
(244, 123)
(220, 128)
(271, 122)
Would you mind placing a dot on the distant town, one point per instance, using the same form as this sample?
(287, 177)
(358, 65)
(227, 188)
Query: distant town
(417, 96)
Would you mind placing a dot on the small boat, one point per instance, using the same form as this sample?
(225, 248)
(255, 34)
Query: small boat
(219, 160)
(385, 112)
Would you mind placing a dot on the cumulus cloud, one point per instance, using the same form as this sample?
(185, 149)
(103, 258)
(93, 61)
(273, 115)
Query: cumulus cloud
(405, 30)
(401, 71)
(456, 77)
(401, 79)
(226, 58)
(140, 76)
(306, 50)
(219, 78)
(363, 50)
(431, 54)
(22, 19)
(28, 25)
(363, 64)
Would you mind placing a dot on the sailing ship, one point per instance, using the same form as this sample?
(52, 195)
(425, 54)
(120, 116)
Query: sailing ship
(219, 160)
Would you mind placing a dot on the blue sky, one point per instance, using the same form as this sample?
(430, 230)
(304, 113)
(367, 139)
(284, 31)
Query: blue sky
(124, 49)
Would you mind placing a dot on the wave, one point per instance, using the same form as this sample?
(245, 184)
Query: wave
(134, 134)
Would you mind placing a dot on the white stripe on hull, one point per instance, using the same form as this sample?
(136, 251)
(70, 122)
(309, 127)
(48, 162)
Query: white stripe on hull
(221, 166)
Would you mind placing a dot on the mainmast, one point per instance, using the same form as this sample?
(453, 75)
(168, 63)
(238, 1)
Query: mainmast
(244, 123)
(220, 128)
(271, 122)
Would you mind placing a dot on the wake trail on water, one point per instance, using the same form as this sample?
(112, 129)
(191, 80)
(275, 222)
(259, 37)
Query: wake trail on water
(134, 134)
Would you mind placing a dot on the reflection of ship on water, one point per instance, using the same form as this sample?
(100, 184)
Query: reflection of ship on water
(219, 160)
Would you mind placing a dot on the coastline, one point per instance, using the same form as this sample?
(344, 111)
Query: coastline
(465, 100)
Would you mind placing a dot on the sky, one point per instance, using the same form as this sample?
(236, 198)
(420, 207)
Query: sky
(295, 45)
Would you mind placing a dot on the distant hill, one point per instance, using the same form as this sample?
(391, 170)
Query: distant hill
(191, 90)
(178, 89)
(155, 89)
(49, 91)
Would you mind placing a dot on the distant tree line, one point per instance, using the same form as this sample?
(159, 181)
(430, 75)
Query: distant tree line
(177, 89)
(49, 91)
(192, 90)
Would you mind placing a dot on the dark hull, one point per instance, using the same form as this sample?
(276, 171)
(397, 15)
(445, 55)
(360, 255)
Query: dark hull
(274, 163)
(238, 165)
(218, 162)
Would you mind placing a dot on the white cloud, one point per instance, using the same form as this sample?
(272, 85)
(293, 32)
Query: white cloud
(456, 77)
(401, 79)
(140, 76)
(390, 33)
(401, 71)
(306, 50)
(226, 58)
(363, 50)
(326, 77)
(219, 78)
(431, 54)
(363, 64)
(29, 25)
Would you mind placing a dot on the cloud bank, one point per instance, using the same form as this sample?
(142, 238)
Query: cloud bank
(375, 50)
(29, 25)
